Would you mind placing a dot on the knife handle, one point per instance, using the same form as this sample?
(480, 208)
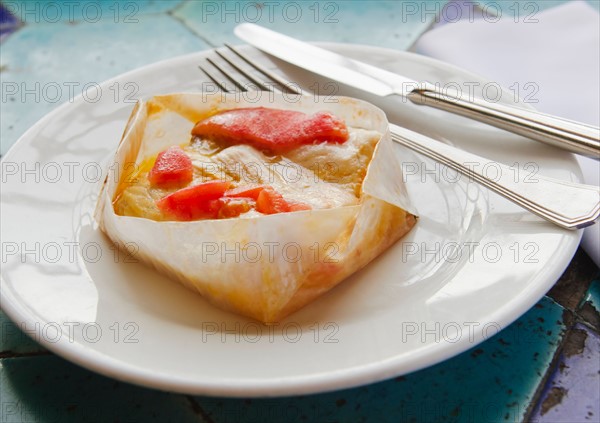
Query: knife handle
(568, 135)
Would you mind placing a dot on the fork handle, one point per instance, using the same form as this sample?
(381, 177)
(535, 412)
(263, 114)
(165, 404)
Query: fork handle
(566, 204)
(569, 135)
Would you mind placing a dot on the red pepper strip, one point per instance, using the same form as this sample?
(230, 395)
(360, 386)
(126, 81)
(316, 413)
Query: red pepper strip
(272, 129)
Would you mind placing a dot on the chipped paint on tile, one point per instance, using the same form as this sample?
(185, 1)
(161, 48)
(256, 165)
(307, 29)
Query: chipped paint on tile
(572, 286)
(571, 394)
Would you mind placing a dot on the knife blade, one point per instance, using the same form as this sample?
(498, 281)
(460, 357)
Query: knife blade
(326, 63)
(572, 136)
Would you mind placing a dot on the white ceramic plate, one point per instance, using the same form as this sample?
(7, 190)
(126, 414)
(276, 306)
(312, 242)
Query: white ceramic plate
(473, 264)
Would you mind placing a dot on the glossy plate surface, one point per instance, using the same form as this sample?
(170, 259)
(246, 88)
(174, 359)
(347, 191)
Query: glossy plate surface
(473, 264)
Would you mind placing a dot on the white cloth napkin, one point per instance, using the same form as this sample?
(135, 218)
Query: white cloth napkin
(560, 53)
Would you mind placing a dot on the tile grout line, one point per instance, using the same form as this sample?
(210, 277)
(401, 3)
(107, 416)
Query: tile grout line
(593, 326)
(571, 317)
(190, 29)
(537, 396)
(21, 24)
(197, 408)
(179, 6)
(574, 318)
(10, 354)
(432, 24)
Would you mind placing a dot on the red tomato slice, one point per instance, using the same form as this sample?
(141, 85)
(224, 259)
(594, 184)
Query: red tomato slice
(250, 191)
(172, 168)
(272, 129)
(270, 201)
(196, 202)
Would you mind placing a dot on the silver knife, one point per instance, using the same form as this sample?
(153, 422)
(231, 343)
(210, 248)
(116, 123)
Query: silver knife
(566, 134)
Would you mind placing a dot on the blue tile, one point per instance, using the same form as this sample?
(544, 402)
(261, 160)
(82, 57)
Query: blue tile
(393, 24)
(589, 307)
(593, 295)
(88, 11)
(60, 55)
(494, 381)
(49, 389)
(573, 392)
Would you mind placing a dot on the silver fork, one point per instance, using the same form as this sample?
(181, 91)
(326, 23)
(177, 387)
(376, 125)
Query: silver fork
(566, 204)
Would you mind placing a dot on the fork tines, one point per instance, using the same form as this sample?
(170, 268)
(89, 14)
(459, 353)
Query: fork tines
(243, 78)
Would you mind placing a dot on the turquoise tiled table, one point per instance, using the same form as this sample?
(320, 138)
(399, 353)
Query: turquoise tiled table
(544, 367)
